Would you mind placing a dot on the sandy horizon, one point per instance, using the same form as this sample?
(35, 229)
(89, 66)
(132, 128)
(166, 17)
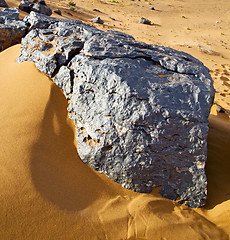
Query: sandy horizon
(46, 192)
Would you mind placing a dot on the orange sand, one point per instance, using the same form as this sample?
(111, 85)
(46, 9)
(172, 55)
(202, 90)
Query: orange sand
(46, 192)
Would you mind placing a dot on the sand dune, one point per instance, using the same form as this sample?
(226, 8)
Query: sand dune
(48, 193)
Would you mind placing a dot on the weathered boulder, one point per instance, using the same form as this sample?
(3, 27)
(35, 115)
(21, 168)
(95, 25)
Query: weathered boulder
(11, 28)
(141, 115)
(35, 6)
(140, 111)
(3, 4)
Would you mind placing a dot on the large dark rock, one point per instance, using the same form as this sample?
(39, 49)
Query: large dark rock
(3, 4)
(11, 28)
(140, 111)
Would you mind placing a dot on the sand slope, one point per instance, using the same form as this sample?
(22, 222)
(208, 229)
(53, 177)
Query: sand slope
(46, 192)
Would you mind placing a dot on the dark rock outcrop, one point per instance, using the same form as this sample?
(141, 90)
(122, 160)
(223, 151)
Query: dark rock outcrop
(11, 28)
(36, 6)
(140, 111)
(3, 4)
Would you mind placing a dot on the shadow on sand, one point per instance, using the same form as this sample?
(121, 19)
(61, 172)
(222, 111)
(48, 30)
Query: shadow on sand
(57, 171)
(218, 163)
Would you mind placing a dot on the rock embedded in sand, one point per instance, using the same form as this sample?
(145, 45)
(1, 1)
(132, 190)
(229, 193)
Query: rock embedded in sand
(11, 28)
(141, 111)
(3, 4)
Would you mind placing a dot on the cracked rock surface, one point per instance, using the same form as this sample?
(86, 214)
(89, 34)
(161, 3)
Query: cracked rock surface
(140, 111)
(11, 28)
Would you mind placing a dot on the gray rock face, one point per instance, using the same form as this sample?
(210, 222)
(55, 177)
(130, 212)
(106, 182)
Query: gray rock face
(36, 6)
(11, 28)
(3, 4)
(140, 111)
(54, 44)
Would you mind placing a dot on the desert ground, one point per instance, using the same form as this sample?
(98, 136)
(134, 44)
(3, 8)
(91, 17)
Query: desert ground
(46, 192)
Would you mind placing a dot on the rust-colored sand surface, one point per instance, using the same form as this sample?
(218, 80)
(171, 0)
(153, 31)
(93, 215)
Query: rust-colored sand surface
(47, 193)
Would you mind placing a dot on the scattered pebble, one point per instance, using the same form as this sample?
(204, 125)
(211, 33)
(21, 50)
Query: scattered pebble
(58, 11)
(145, 21)
(70, 13)
(152, 8)
(96, 10)
(112, 18)
(97, 20)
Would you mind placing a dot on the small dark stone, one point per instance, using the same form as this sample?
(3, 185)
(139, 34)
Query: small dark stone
(97, 20)
(96, 10)
(220, 109)
(58, 11)
(112, 18)
(145, 21)
(152, 8)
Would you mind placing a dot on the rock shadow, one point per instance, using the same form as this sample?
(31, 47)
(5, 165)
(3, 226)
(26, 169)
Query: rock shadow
(218, 162)
(57, 171)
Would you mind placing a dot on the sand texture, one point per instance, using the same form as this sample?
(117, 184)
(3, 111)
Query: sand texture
(46, 192)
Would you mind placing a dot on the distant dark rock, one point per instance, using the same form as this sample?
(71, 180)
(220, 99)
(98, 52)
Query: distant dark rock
(3, 4)
(96, 10)
(35, 6)
(11, 28)
(97, 20)
(140, 111)
(40, 8)
(42, 2)
(112, 18)
(152, 8)
(25, 6)
(58, 11)
(145, 21)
